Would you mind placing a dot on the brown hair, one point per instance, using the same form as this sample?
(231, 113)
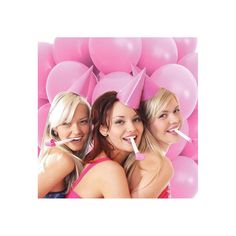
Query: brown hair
(101, 110)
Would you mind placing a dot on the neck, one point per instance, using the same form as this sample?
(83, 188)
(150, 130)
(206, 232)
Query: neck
(165, 147)
(119, 156)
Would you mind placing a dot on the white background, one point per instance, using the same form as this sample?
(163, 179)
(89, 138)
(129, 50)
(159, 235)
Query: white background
(24, 24)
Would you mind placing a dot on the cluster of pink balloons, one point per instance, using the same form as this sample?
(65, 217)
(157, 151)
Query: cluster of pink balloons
(170, 62)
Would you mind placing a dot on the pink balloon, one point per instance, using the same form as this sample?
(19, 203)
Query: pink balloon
(185, 46)
(111, 82)
(72, 49)
(191, 149)
(115, 54)
(176, 148)
(63, 75)
(180, 81)
(42, 118)
(184, 183)
(157, 52)
(190, 61)
(41, 102)
(45, 64)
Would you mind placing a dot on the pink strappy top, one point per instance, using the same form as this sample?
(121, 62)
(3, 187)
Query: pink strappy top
(165, 193)
(72, 193)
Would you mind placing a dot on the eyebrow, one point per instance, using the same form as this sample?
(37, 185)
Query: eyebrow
(168, 111)
(123, 116)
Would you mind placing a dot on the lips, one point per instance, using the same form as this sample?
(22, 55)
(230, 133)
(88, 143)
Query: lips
(127, 139)
(171, 130)
(77, 139)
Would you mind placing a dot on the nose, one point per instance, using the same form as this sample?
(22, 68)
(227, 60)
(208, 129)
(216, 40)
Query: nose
(173, 118)
(75, 128)
(130, 127)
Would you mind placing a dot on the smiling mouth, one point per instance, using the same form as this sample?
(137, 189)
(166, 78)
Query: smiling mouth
(127, 139)
(172, 131)
(77, 139)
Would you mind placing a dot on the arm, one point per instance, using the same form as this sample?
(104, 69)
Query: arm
(113, 182)
(56, 169)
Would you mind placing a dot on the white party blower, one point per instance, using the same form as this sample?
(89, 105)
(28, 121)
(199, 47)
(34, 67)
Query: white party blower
(184, 136)
(53, 142)
(139, 156)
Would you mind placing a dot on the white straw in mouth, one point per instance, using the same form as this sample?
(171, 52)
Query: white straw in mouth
(182, 135)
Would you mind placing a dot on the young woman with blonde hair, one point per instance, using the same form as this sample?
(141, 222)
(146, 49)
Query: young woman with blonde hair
(60, 165)
(150, 178)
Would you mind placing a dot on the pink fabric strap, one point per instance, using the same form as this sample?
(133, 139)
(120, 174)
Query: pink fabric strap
(90, 165)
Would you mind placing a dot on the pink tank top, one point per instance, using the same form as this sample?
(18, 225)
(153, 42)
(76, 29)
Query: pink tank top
(72, 193)
(165, 193)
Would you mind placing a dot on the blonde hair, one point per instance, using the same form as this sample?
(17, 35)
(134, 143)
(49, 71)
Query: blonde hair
(62, 110)
(149, 110)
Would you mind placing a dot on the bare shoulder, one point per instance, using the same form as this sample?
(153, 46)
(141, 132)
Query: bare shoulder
(167, 166)
(60, 159)
(108, 168)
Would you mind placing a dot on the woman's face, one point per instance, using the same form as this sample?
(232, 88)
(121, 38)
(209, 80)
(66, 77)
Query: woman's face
(161, 126)
(124, 123)
(79, 127)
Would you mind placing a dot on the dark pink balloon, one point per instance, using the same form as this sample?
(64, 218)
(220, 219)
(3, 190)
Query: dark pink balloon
(157, 52)
(42, 118)
(71, 49)
(115, 54)
(190, 61)
(184, 183)
(191, 149)
(185, 46)
(41, 102)
(176, 148)
(45, 64)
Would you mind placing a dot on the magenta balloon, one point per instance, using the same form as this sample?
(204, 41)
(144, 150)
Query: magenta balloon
(184, 183)
(45, 64)
(115, 54)
(41, 102)
(191, 149)
(180, 81)
(190, 61)
(176, 148)
(63, 75)
(185, 46)
(157, 52)
(72, 49)
(42, 118)
(111, 82)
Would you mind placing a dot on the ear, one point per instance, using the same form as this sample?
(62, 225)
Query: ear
(103, 130)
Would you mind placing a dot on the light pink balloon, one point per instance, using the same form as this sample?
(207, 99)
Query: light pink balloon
(180, 81)
(71, 49)
(191, 149)
(45, 64)
(42, 118)
(184, 183)
(115, 54)
(185, 46)
(157, 52)
(111, 82)
(63, 75)
(41, 102)
(176, 148)
(190, 61)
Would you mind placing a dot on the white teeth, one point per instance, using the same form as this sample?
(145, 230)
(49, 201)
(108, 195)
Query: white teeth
(128, 138)
(77, 139)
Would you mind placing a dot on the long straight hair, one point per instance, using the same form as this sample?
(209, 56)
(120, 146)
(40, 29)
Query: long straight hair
(62, 110)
